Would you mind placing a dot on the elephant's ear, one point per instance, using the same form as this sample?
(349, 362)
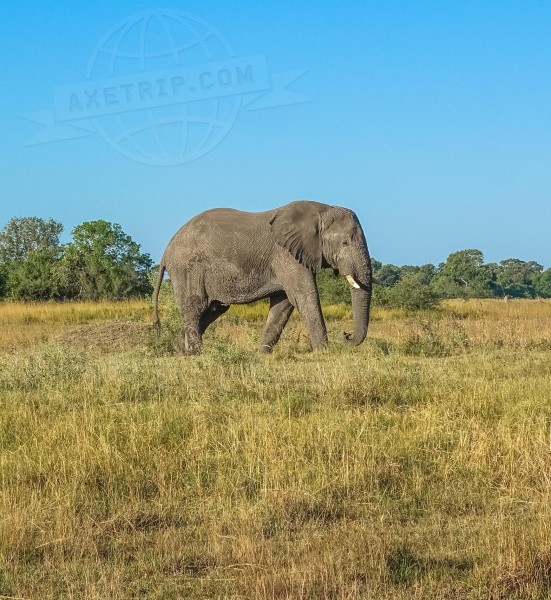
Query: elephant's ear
(296, 227)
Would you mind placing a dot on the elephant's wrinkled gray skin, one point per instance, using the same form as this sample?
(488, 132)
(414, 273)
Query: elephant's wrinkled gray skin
(224, 256)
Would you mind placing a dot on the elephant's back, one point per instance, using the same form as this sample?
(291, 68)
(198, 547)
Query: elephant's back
(220, 231)
(229, 218)
(227, 222)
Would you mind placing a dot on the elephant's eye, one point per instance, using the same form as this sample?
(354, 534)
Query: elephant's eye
(345, 243)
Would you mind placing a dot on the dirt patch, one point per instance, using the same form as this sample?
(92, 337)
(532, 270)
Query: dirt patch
(108, 336)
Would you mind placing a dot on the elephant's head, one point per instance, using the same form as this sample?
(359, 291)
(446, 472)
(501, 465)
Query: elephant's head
(319, 235)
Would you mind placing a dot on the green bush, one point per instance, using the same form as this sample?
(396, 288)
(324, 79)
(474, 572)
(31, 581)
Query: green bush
(333, 289)
(410, 293)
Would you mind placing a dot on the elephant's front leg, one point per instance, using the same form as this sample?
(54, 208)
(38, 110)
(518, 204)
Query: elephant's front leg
(280, 311)
(310, 313)
(303, 294)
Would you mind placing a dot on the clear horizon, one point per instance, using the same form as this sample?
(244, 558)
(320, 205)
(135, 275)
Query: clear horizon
(430, 120)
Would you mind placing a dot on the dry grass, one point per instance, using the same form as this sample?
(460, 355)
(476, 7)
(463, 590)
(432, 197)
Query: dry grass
(476, 324)
(25, 324)
(416, 466)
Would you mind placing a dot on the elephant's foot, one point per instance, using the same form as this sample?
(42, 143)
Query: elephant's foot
(319, 348)
(319, 345)
(181, 349)
(188, 344)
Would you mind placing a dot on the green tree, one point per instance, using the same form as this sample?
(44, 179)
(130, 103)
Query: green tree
(29, 257)
(22, 235)
(3, 280)
(516, 278)
(391, 274)
(388, 273)
(37, 277)
(542, 284)
(464, 275)
(427, 272)
(103, 262)
(411, 292)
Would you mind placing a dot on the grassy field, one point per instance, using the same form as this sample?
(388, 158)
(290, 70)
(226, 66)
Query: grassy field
(415, 466)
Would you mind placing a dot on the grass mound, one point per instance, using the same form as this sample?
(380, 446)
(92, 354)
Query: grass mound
(108, 337)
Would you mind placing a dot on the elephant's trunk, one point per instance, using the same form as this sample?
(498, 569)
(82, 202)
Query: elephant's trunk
(361, 302)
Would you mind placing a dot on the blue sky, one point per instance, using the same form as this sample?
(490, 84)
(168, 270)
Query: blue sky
(432, 120)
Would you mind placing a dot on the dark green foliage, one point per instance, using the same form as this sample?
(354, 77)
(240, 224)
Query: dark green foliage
(36, 277)
(29, 258)
(103, 262)
(542, 284)
(332, 288)
(3, 280)
(464, 275)
(412, 292)
(388, 273)
(20, 236)
(516, 278)
(410, 287)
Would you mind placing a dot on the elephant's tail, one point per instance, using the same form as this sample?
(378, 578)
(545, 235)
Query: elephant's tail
(157, 322)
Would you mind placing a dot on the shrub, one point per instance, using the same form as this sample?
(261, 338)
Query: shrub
(410, 293)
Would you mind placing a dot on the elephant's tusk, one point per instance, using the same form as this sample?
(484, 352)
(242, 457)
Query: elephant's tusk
(353, 282)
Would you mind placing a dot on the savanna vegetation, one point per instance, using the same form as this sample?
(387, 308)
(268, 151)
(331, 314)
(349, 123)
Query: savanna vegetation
(415, 466)
(102, 262)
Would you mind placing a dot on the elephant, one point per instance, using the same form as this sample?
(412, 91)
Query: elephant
(225, 256)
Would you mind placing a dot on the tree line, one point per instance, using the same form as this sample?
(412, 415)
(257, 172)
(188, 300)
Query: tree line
(463, 275)
(102, 262)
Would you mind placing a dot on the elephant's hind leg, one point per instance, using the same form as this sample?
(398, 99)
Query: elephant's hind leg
(191, 341)
(280, 311)
(192, 304)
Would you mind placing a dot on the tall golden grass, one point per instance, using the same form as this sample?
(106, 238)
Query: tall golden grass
(415, 466)
(23, 324)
